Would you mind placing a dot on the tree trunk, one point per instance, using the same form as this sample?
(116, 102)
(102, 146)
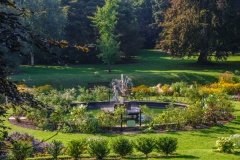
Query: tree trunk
(109, 68)
(203, 58)
(32, 58)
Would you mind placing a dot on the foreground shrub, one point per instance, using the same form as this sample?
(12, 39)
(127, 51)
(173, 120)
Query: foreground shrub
(55, 148)
(98, 147)
(145, 145)
(76, 147)
(20, 150)
(38, 146)
(225, 145)
(166, 145)
(236, 139)
(122, 146)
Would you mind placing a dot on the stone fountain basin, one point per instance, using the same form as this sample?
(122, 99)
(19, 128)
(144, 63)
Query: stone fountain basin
(100, 105)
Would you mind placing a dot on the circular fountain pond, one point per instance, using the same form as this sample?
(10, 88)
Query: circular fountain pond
(132, 111)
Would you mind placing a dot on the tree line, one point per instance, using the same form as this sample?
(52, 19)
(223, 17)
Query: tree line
(115, 30)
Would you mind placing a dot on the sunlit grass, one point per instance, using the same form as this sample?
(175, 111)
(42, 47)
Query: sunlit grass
(151, 67)
(195, 144)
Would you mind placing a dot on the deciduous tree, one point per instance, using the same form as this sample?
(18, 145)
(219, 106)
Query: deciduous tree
(105, 20)
(201, 28)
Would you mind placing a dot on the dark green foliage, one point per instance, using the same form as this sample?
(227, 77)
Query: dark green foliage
(98, 147)
(210, 21)
(166, 145)
(105, 20)
(21, 150)
(55, 148)
(122, 146)
(76, 147)
(145, 145)
(79, 30)
(38, 146)
(129, 31)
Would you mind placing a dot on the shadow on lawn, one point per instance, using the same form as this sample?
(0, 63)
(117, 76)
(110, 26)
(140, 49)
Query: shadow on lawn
(237, 153)
(166, 157)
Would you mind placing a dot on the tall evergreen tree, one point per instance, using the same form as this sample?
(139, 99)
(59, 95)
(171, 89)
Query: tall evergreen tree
(79, 29)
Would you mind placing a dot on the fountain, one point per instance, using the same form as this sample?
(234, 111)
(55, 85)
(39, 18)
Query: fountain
(121, 87)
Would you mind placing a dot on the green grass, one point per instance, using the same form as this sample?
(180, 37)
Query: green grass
(151, 67)
(195, 144)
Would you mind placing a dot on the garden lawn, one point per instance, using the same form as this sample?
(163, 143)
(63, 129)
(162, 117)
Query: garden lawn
(195, 144)
(150, 68)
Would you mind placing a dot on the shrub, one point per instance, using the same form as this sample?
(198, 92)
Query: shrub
(226, 77)
(172, 115)
(225, 145)
(38, 146)
(90, 125)
(236, 139)
(76, 148)
(55, 148)
(166, 145)
(148, 113)
(101, 93)
(20, 150)
(145, 145)
(141, 92)
(179, 87)
(194, 114)
(85, 95)
(82, 120)
(98, 147)
(122, 146)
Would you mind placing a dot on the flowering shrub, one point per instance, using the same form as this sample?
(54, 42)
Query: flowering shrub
(226, 77)
(39, 154)
(172, 115)
(225, 145)
(18, 136)
(141, 92)
(83, 121)
(236, 139)
(221, 87)
(43, 89)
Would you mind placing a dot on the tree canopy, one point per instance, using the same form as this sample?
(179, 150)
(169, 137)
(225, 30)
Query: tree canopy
(202, 28)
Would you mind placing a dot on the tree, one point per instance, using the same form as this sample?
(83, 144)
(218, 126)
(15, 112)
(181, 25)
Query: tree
(80, 30)
(144, 15)
(201, 28)
(105, 20)
(13, 36)
(49, 22)
(127, 27)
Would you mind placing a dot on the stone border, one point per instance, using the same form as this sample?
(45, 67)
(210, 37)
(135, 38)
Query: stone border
(150, 104)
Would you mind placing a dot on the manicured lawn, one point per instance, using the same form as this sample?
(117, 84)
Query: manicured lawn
(195, 144)
(151, 67)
